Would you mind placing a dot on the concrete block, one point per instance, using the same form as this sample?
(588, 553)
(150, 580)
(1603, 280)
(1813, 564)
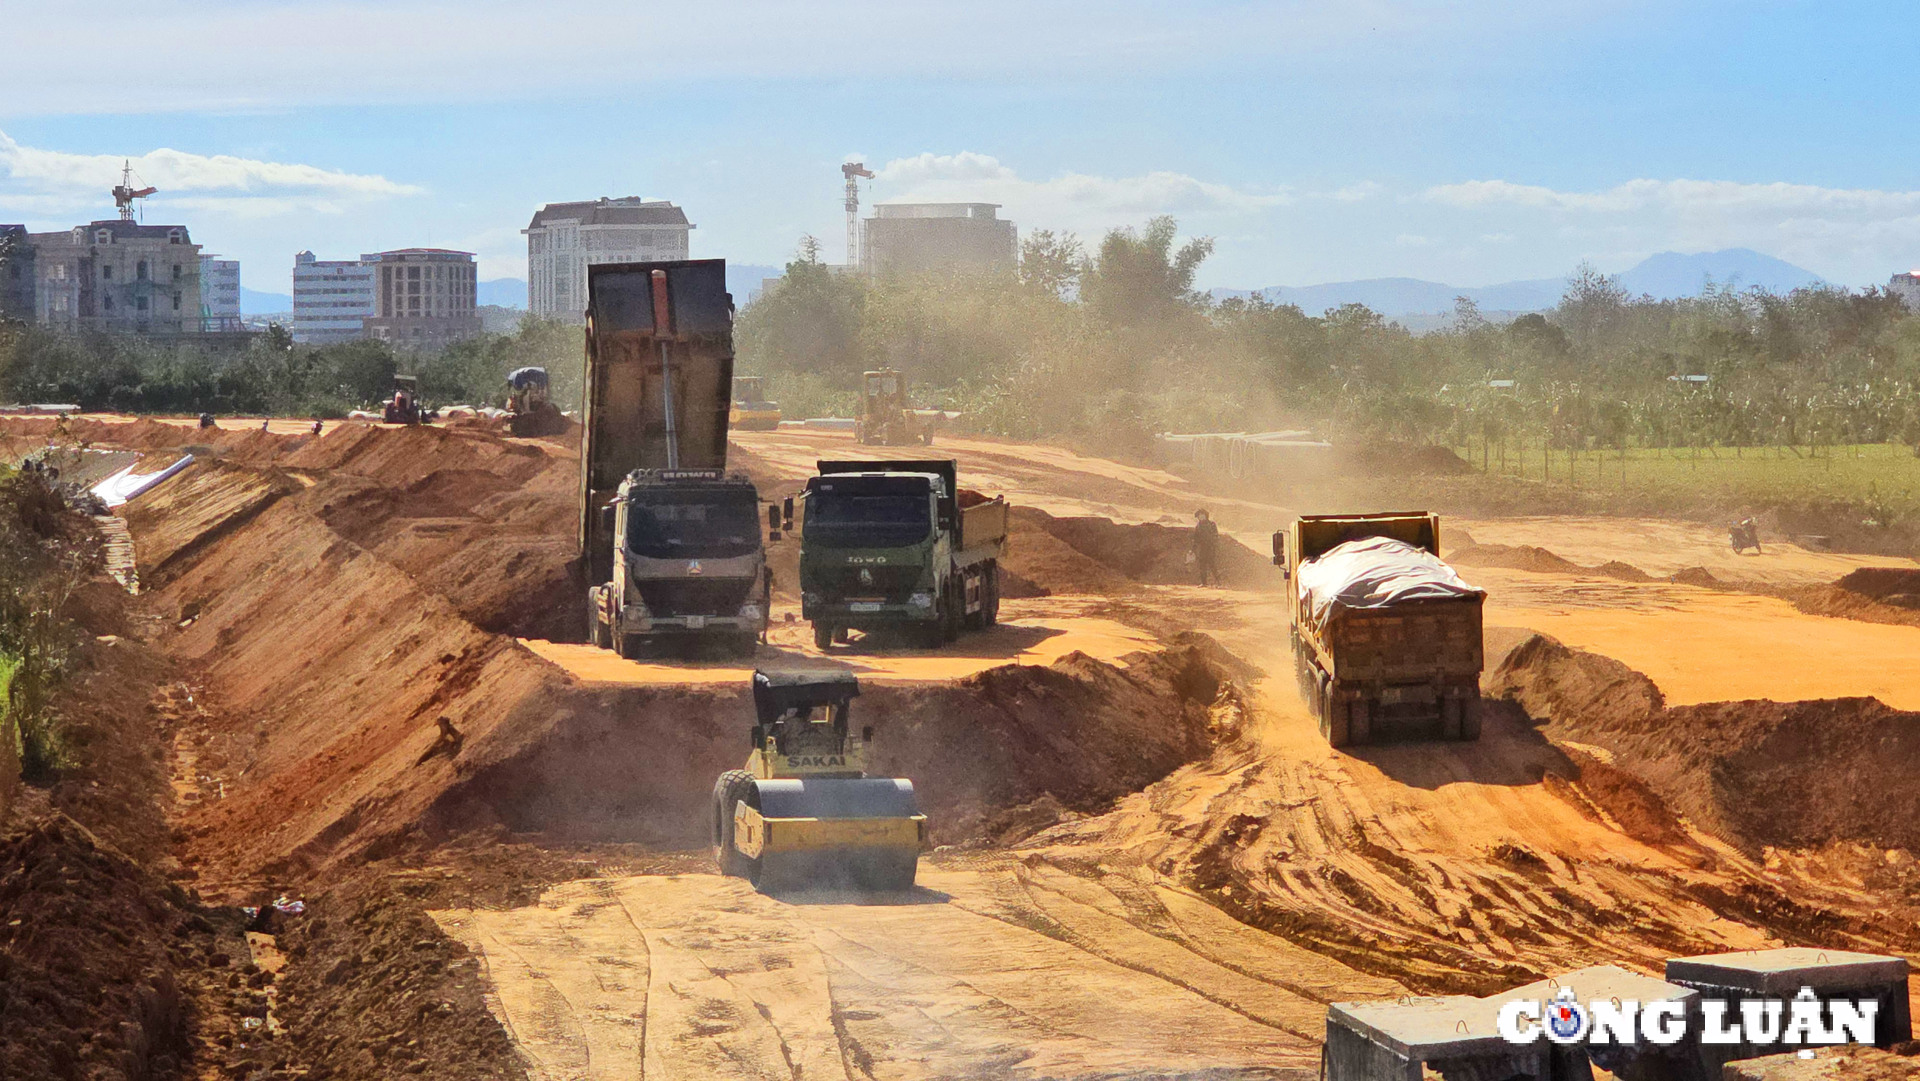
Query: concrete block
(1454, 1035)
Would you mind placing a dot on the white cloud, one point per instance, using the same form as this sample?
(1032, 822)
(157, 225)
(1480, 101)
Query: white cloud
(34, 169)
(1077, 201)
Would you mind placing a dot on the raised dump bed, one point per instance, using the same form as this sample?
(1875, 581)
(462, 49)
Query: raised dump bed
(1456, 1036)
(1780, 974)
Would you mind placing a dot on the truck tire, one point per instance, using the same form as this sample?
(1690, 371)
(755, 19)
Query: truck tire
(1450, 718)
(1338, 733)
(956, 611)
(1359, 722)
(822, 636)
(991, 613)
(734, 786)
(597, 629)
(626, 645)
(1470, 717)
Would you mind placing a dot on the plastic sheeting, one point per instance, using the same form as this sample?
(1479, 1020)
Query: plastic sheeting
(126, 484)
(1376, 572)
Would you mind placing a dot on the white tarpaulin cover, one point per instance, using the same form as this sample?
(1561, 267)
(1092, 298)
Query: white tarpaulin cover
(126, 484)
(1374, 572)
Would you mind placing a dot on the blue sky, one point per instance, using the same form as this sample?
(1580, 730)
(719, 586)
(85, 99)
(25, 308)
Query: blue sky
(1470, 142)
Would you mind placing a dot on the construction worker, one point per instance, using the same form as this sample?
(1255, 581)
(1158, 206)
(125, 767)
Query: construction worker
(1206, 547)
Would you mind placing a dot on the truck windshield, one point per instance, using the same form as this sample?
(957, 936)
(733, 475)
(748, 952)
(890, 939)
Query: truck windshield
(868, 512)
(692, 525)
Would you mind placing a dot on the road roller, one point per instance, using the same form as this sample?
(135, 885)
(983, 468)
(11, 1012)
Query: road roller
(803, 814)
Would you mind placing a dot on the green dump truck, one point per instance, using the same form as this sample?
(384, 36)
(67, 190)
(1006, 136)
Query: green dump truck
(1386, 637)
(896, 544)
(671, 541)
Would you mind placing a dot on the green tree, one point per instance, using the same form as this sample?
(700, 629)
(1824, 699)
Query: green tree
(1139, 278)
(1052, 262)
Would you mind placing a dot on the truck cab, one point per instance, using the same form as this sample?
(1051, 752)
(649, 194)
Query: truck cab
(691, 562)
(895, 544)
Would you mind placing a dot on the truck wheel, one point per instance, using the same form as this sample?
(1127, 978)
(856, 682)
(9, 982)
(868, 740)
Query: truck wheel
(734, 786)
(822, 636)
(1359, 722)
(1470, 716)
(992, 609)
(1338, 731)
(627, 646)
(1451, 710)
(955, 616)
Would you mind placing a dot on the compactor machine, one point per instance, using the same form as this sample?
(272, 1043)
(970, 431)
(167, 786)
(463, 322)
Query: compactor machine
(404, 406)
(804, 813)
(530, 408)
(752, 412)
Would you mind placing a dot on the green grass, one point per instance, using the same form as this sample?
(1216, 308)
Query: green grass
(1866, 475)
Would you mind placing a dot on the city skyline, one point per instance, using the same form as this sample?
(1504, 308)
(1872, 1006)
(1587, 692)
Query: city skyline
(1475, 144)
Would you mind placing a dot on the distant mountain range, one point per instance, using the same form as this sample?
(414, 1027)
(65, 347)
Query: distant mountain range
(1663, 276)
(255, 302)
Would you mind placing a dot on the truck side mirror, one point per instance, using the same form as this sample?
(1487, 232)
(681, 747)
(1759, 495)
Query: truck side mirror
(786, 512)
(1280, 555)
(773, 523)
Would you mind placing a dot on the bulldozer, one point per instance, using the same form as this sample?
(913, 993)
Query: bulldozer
(404, 406)
(885, 417)
(530, 408)
(804, 813)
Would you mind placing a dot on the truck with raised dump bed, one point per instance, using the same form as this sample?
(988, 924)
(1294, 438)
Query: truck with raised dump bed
(670, 540)
(1386, 637)
(897, 545)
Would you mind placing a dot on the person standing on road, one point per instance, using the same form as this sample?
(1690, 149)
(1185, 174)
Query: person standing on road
(1206, 547)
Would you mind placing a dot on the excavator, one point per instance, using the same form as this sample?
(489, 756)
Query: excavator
(804, 813)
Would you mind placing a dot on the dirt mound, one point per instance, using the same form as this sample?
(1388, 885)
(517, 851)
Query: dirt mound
(1696, 576)
(1401, 459)
(1799, 774)
(99, 961)
(1527, 557)
(1884, 584)
(374, 989)
(1099, 555)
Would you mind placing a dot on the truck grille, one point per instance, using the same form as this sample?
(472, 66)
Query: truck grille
(892, 584)
(696, 596)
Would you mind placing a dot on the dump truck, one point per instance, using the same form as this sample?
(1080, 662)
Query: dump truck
(404, 406)
(1386, 637)
(886, 419)
(530, 408)
(803, 811)
(896, 544)
(752, 412)
(670, 542)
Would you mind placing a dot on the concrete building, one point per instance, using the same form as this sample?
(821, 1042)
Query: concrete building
(923, 238)
(563, 239)
(118, 277)
(1906, 286)
(220, 292)
(16, 273)
(423, 298)
(332, 299)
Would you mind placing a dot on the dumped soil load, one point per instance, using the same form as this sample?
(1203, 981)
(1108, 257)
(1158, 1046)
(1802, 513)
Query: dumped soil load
(373, 989)
(1099, 555)
(101, 963)
(1873, 594)
(1787, 774)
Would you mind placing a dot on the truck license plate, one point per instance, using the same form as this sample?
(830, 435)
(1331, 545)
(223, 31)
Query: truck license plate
(863, 606)
(695, 623)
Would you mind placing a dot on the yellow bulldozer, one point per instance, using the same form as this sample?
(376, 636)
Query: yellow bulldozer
(885, 417)
(803, 813)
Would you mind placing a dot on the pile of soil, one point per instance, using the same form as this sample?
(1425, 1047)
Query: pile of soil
(1099, 555)
(1400, 459)
(1871, 594)
(1755, 773)
(1526, 557)
(102, 965)
(372, 988)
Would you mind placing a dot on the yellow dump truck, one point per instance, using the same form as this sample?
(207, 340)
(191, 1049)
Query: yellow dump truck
(1386, 637)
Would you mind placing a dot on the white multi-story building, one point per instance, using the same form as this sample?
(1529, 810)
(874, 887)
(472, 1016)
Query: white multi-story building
(564, 238)
(1906, 286)
(332, 299)
(220, 292)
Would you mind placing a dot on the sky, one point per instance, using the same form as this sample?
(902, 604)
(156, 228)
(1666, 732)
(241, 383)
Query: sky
(1469, 141)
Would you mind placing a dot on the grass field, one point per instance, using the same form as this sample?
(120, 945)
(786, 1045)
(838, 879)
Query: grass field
(1868, 475)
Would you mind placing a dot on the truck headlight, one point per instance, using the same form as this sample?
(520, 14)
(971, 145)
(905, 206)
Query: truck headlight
(749, 611)
(921, 600)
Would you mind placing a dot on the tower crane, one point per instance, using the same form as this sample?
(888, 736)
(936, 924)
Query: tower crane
(125, 193)
(854, 171)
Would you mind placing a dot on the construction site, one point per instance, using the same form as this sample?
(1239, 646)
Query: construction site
(396, 777)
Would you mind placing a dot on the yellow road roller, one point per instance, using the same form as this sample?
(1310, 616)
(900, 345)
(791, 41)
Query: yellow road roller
(803, 814)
